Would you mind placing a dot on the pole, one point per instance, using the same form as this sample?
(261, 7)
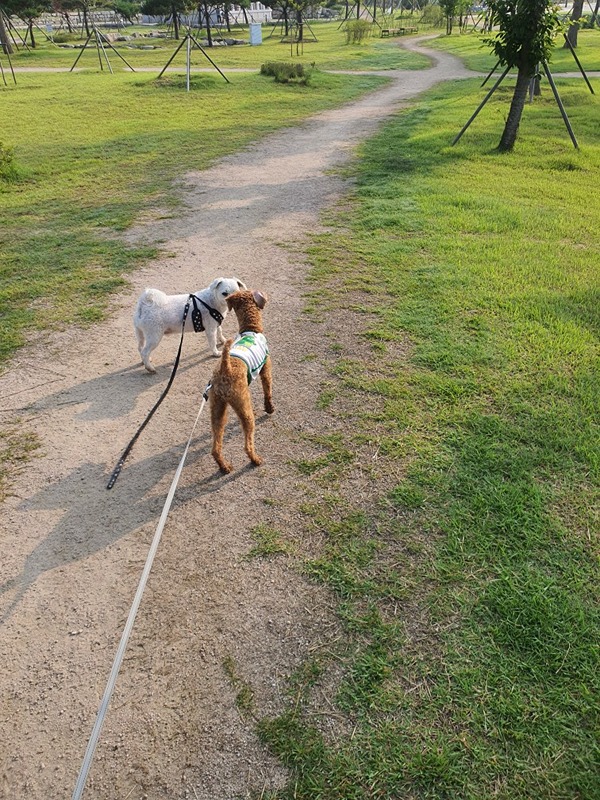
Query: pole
(81, 53)
(199, 46)
(560, 105)
(102, 37)
(490, 73)
(481, 105)
(188, 60)
(100, 46)
(578, 62)
(172, 57)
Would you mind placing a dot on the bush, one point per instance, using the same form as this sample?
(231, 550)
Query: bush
(357, 30)
(8, 170)
(284, 72)
(64, 36)
(433, 15)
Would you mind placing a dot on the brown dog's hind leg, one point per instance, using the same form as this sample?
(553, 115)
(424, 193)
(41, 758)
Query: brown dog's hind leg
(266, 380)
(243, 408)
(218, 418)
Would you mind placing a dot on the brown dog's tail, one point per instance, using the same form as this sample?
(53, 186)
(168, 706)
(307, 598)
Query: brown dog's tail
(225, 359)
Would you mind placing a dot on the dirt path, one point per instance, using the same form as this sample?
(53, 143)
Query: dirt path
(73, 552)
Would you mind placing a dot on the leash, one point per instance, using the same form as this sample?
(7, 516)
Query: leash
(197, 321)
(93, 741)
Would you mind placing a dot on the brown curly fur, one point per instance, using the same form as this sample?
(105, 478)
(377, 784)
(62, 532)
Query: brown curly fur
(230, 381)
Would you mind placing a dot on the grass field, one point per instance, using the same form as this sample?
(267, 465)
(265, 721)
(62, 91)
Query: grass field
(111, 148)
(468, 584)
(330, 51)
(478, 56)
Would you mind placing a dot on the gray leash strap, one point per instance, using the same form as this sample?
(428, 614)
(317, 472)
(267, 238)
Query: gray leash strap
(95, 735)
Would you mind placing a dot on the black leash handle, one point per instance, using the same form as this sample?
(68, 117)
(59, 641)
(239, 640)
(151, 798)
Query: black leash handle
(117, 470)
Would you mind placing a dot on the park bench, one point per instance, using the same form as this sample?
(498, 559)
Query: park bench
(397, 31)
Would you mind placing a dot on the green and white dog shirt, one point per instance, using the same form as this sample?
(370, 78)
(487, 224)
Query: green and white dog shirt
(252, 349)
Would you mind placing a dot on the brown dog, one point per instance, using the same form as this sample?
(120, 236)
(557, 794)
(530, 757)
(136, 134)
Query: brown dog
(241, 361)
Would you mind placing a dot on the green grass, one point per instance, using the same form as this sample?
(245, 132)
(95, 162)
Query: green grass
(111, 148)
(16, 448)
(478, 56)
(468, 585)
(268, 542)
(330, 51)
(244, 698)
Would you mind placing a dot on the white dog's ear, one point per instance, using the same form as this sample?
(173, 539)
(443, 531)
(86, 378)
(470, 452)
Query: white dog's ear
(259, 299)
(241, 284)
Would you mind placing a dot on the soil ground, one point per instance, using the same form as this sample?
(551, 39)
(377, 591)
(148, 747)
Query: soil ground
(73, 552)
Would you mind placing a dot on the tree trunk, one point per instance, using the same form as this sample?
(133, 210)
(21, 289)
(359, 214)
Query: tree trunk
(228, 21)
(68, 21)
(85, 21)
(517, 105)
(175, 15)
(286, 22)
(4, 39)
(30, 26)
(300, 25)
(207, 18)
(574, 26)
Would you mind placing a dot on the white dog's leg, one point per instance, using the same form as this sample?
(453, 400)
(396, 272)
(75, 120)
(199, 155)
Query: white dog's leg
(212, 334)
(152, 342)
(140, 339)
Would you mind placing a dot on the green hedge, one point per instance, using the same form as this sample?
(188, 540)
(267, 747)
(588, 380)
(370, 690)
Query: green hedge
(284, 72)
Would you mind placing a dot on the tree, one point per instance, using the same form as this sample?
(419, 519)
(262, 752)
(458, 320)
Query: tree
(4, 37)
(126, 9)
(172, 9)
(527, 30)
(28, 11)
(85, 6)
(57, 8)
(576, 13)
(286, 7)
(451, 8)
(203, 7)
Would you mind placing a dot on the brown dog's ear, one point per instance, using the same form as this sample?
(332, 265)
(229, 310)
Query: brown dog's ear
(241, 284)
(259, 299)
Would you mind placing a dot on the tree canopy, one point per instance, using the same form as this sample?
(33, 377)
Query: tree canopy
(526, 32)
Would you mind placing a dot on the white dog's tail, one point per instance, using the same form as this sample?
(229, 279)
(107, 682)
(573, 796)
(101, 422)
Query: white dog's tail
(151, 297)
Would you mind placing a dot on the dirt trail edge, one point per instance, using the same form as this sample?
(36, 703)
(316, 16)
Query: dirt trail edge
(72, 552)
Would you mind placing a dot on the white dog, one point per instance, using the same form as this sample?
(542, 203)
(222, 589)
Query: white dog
(158, 313)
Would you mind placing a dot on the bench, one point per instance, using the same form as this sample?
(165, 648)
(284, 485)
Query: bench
(397, 31)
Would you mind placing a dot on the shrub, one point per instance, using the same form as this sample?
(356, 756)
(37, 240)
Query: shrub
(284, 72)
(433, 15)
(64, 36)
(357, 30)
(8, 170)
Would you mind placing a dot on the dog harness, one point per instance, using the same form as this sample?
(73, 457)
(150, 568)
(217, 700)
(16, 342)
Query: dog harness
(197, 314)
(252, 349)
